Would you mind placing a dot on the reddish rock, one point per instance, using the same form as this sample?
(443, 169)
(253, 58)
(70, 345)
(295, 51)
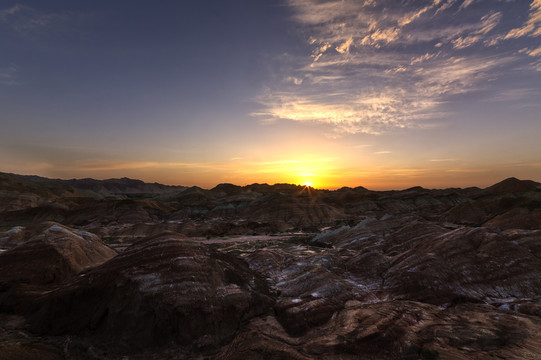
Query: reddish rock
(512, 185)
(396, 330)
(13, 237)
(48, 254)
(29, 350)
(469, 213)
(518, 218)
(471, 263)
(310, 287)
(160, 290)
(53, 254)
(412, 274)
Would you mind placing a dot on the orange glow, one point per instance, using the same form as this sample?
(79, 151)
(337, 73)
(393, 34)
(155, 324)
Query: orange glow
(375, 170)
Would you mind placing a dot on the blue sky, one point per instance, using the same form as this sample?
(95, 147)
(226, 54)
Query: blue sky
(383, 94)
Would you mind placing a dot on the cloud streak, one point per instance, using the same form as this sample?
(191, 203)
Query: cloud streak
(532, 27)
(488, 23)
(25, 19)
(375, 66)
(8, 75)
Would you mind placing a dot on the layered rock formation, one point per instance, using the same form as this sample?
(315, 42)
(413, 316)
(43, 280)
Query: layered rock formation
(399, 290)
(49, 253)
(42, 257)
(254, 209)
(412, 274)
(161, 290)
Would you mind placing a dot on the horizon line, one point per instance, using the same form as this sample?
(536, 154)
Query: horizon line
(333, 188)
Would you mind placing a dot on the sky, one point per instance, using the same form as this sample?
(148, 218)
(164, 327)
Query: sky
(385, 94)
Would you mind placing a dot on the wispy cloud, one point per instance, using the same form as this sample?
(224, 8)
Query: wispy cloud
(26, 19)
(381, 105)
(532, 52)
(408, 18)
(444, 5)
(467, 170)
(442, 160)
(532, 27)
(5, 14)
(375, 66)
(488, 23)
(8, 75)
(465, 4)
(535, 53)
(515, 95)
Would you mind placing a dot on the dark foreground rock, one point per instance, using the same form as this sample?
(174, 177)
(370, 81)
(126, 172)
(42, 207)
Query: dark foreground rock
(162, 290)
(384, 289)
(50, 253)
(396, 330)
(44, 256)
(412, 274)
(397, 289)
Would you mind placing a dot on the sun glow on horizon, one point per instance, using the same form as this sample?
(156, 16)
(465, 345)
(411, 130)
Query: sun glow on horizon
(309, 179)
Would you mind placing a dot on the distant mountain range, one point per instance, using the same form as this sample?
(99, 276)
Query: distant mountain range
(89, 187)
(83, 187)
(126, 205)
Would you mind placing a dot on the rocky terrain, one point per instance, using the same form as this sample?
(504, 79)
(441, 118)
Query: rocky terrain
(121, 269)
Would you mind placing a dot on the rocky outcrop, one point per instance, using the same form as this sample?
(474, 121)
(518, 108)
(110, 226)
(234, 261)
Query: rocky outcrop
(476, 264)
(116, 187)
(411, 274)
(42, 257)
(509, 204)
(427, 262)
(309, 283)
(396, 330)
(50, 253)
(29, 350)
(228, 209)
(396, 289)
(19, 192)
(13, 237)
(517, 218)
(161, 290)
(512, 185)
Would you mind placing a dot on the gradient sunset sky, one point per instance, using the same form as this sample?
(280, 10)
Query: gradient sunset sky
(385, 94)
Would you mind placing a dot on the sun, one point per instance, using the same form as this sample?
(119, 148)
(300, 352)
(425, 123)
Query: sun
(306, 177)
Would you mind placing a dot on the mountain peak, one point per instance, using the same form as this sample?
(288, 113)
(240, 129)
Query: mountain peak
(512, 185)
